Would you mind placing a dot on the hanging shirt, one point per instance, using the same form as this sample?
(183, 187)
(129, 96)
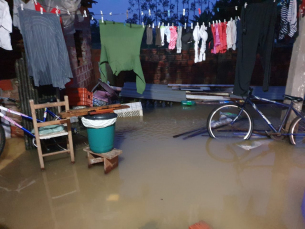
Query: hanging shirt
(233, 34)
(210, 40)
(29, 5)
(223, 37)
(45, 47)
(187, 39)
(5, 26)
(173, 37)
(179, 41)
(121, 49)
(229, 35)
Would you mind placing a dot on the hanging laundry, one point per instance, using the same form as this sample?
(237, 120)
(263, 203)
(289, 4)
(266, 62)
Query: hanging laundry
(5, 26)
(179, 41)
(292, 17)
(196, 35)
(29, 5)
(149, 36)
(258, 25)
(38, 7)
(158, 37)
(204, 37)
(223, 37)
(231, 35)
(121, 49)
(238, 30)
(187, 38)
(167, 32)
(46, 51)
(173, 37)
(162, 33)
(215, 30)
(284, 22)
(210, 40)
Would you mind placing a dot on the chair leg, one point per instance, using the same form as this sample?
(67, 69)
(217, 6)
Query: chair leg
(40, 153)
(70, 144)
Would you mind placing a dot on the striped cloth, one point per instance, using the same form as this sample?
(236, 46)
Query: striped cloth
(45, 47)
(292, 17)
(284, 22)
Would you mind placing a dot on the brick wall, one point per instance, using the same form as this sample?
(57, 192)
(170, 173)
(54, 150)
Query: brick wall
(163, 66)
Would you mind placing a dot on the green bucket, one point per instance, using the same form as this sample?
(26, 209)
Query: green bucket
(101, 139)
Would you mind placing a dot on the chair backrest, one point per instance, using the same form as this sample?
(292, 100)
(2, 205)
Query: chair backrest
(48, 105)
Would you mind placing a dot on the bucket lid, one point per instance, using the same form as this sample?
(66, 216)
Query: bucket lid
(101, 116)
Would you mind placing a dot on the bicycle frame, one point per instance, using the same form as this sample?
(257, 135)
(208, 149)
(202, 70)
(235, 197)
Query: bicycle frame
(47, 111)
(289, 106)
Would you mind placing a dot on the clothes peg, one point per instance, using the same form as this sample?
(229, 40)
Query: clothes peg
(126, 14)
(203, 24)
(159, 25)
(219, 22)
(168, 24)
(149, 25)
(110, 13)
(85, 13)
(102, 17)
(224, 20)
(149, 12)
(168, 13)
(35, 2)
(238, 18)
(231, 19)
(246, 4)
(191, 25)
(236, 7)
(69, 12)
(162, 23)
(21, 5)
(218, 9)
(57, 13)
(184, 25)
(41, 10)
(209, 24)
(153, 25)
(183, 12)
(143, 24)
(92, 18)
(172, 24)
(142, 13)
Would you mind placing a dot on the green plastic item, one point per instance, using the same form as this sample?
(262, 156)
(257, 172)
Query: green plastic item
(101, 140)
(188, 103)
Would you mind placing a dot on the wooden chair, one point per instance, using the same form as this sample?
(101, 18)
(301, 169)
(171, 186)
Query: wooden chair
(66, 132)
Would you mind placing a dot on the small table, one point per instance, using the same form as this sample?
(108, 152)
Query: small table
(110, 159)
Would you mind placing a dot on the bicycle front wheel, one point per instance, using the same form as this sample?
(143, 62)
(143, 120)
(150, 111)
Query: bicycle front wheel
(2, 139)
(230, 121)
(297, 132)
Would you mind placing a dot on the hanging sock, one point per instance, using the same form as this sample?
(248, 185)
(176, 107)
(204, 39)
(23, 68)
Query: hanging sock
(173, 37)
(179, 41)
(162, 33)
(196, 35)
(204, 37)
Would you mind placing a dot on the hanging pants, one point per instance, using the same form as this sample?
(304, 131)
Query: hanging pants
(257, 35)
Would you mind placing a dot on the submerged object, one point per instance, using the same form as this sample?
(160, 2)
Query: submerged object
(188, 103)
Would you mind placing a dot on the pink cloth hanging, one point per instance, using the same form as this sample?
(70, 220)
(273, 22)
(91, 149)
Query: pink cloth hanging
(174, 36)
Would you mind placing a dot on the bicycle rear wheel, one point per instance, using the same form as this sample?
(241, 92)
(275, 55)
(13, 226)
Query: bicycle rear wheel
(297, 132)
(2, 139)
(220, 122)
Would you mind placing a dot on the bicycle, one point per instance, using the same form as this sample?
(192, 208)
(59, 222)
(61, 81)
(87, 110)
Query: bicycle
(233, 120)
(11, 121)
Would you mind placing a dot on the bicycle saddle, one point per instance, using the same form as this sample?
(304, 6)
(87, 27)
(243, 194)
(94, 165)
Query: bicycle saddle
(293, 98)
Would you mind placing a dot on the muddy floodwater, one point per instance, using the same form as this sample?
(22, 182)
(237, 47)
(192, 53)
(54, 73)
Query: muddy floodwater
(161, 182)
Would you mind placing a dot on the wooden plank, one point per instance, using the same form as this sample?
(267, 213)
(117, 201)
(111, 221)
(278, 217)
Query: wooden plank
(86, 111)
(55, 153)
(104, 111)
(110, 164)
(56, 104)
(49, 123)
